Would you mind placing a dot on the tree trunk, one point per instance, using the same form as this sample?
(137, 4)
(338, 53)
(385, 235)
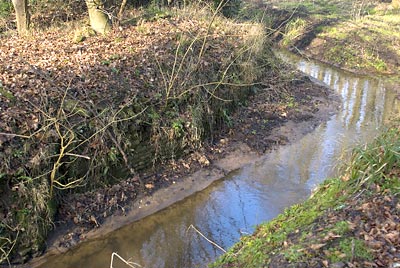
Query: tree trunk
(99, 20)
(22, 15)
(121, 9)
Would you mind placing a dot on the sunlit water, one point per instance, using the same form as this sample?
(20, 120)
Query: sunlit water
(254, 194)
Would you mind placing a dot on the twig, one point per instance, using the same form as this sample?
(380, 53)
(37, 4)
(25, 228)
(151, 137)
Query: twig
(216, 83)
(4, 253)
(129, 263)
(121, 9)
(110, 123)
(63, 147)
(78, 155)
(12, 135)
(220, 6)
(285, 21)
(124, 157)
(208, 240)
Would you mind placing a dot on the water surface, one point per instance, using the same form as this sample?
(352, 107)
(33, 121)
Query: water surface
(256, 193)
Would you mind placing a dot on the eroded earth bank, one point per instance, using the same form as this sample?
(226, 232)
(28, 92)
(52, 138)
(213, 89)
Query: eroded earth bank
(92, 127)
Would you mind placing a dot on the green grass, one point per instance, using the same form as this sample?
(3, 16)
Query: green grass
(294, 253)
(356, 35)
(349, 249)
(334, 32)
(376, 163)
(341, 228)
(330, 8)
(362, 45)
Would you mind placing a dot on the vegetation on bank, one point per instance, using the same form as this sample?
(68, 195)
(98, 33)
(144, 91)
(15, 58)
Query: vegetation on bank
(362, 36)
(350, 221)
(80, 111)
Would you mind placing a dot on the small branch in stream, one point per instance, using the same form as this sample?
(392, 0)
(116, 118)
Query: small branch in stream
(129, 263)
(208, 240)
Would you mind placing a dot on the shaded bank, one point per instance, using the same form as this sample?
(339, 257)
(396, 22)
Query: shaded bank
(258, 127)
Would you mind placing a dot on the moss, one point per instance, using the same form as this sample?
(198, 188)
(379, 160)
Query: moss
(81, 34)
(23, 234)
(294, 254)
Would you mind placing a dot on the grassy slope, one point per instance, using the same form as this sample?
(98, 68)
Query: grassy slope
(350, 221)
(359, 36)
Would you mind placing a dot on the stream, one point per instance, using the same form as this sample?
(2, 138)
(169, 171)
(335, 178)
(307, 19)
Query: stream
(233, 206)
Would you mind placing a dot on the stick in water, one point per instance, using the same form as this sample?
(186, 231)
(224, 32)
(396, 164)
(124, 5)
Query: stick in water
(208, 240)
(130, 264)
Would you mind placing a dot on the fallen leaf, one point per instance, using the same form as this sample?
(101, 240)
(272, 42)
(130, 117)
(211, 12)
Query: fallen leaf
(93, 220)
(317, 246)
(149, 186)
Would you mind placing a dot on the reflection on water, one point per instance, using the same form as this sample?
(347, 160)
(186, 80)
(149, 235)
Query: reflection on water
(256, 193)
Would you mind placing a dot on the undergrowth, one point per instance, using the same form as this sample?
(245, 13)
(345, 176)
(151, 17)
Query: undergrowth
(117, 106)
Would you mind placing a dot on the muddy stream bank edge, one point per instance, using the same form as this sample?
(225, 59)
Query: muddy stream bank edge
(241, 152)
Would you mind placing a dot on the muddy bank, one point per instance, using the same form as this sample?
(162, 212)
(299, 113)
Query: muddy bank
(241, 144)
(89, 126)
(78, 117)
